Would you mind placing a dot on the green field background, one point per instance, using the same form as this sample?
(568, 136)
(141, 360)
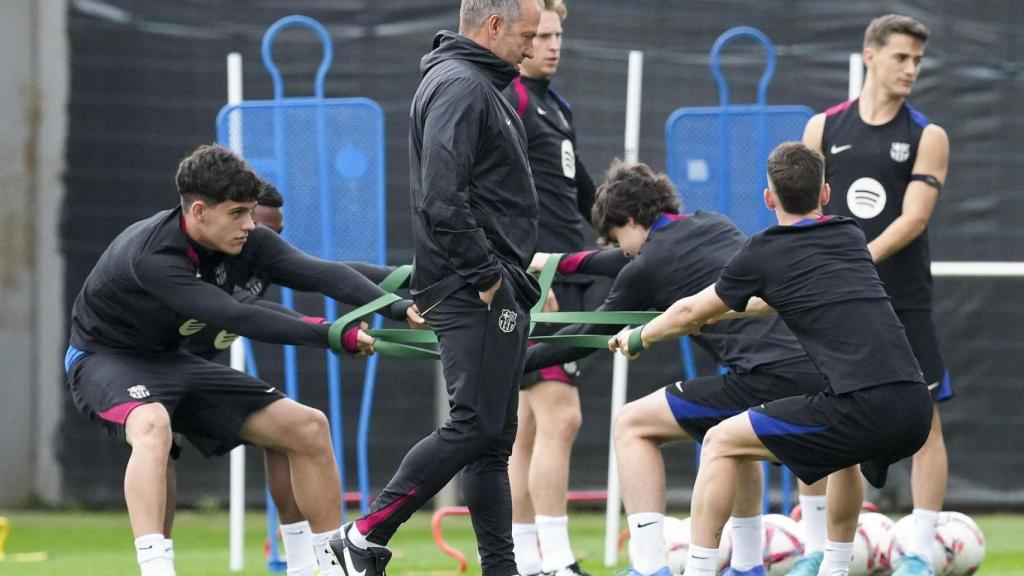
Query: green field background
(95, 544)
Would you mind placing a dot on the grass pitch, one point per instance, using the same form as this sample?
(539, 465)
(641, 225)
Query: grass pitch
(100, 544)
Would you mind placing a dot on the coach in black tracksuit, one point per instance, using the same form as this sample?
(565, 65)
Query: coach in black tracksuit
(474, 214)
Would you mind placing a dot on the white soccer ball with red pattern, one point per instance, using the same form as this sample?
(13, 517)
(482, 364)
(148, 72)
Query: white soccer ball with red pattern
(961, 533)
(782, 544)
(897, 543)
(872, 530)
(677, 543)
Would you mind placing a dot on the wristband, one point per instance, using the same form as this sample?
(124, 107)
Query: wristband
(636, 341)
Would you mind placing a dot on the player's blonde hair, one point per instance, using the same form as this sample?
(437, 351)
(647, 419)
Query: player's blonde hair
(558, 7)
(878, 32)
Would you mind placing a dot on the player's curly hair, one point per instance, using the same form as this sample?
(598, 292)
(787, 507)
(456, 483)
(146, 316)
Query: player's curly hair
(632, 191)
(215, 174)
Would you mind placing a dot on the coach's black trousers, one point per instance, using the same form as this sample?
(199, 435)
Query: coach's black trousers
(482, 352)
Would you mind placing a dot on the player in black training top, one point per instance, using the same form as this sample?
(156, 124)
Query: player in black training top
(211, 341)
(666, 256)
(167, 278)
(549, 404)
(816, 272)
(887, 163)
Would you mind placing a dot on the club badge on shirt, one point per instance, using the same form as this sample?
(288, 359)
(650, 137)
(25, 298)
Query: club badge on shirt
(900, 151)
(507, 320)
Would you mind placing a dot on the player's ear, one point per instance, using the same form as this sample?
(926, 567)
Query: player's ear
(198, 210)
(493, 25)
(769, 200)
(868, 55)
(826, 194)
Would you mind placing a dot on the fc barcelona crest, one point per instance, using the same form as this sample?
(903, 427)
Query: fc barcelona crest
(507, 320)
(900, 151)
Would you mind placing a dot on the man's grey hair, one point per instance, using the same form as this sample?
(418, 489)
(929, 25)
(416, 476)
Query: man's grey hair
(474, 13)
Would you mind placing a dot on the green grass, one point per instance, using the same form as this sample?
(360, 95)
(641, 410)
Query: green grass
(95, 544)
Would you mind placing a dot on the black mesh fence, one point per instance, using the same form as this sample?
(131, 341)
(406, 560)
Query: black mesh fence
(147, 79)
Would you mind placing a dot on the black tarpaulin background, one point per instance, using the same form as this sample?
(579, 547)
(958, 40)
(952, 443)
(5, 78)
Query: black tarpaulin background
(147, 79)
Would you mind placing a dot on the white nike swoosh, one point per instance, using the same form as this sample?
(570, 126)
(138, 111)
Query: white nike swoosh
(541, 112)
(838, 149)
(270, 390)
(350, 568)
(508, 121)
(679, 385)
(933, 385)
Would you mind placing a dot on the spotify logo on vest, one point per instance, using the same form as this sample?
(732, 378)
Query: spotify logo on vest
(866, 198)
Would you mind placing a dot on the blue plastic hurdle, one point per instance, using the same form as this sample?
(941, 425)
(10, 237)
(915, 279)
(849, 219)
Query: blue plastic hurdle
(326, 157)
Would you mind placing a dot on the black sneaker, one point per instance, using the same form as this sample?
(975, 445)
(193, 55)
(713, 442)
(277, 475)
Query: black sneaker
(355, 561)
(570, 570)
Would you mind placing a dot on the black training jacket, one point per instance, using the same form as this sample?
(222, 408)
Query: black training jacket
(153, 288)
(474, 207)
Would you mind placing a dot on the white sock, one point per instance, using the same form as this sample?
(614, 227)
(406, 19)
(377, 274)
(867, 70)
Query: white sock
(925, 524)
(298, 548)
(746, 543)
(647, 541)
(837, 558)
(357, 538)
(329, 564)
(527, 548)
(169, 552)
(702, 561)
(152, 556)
(553, 534)
(812, 508)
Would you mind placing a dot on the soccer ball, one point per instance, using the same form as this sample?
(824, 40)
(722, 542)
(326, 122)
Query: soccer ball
(782, 544)
(677, 543)
(966, 540)
(897, 542)
(872, 529)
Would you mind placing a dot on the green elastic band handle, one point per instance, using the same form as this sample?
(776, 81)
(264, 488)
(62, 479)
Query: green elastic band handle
(604, 317)
(396, 279)
(636, 341)
(597, 341)
(404, 335)
(337, 331)
(547, 275)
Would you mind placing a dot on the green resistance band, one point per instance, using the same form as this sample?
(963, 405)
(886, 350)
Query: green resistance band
(397, 278)
(387, 340)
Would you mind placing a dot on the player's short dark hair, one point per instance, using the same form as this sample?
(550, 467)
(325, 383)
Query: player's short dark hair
(270, 197)
(796, 175)
(878, 32)
(632, 191)
(215, 174)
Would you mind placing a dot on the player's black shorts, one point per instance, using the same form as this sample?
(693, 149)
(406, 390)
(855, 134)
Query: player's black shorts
(703, 402)
(207, 402)
(577, 296)
(820, 434)
(924, 341)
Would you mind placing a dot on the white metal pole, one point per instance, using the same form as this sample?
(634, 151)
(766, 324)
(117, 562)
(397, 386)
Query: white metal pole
(856, 74)
(620, 371)
(236, 559)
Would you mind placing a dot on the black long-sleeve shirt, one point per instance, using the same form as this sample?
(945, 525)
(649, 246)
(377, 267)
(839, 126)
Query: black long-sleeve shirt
(565, 191)
(153, 287)
(680, 258)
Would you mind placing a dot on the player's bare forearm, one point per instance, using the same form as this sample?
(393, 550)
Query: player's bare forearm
(680, 319)
(755, 307)
(902, 231)
(685, 316)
